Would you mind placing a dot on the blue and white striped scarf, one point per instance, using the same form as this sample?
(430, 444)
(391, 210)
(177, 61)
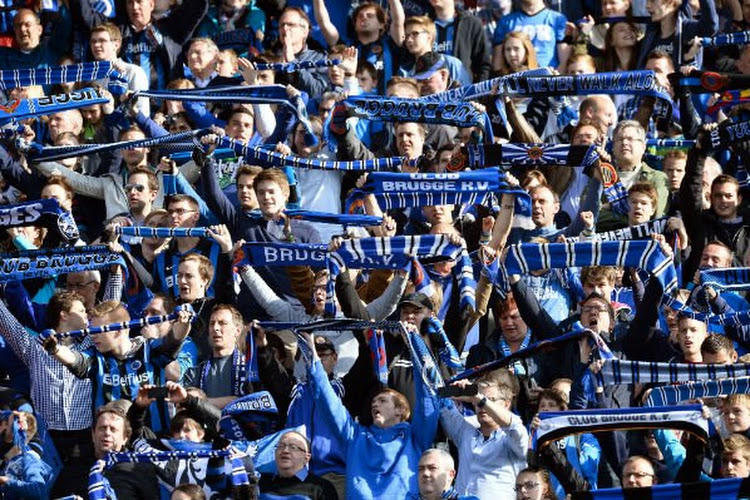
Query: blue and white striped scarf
(123, 325)
(736, 38)
(379, 108)
(100, 489)
(617, 196)
(52, 262)
(20, 109)
(734, 278)
(736, 319)
(397, 190)
(267, 158)
(718, 489)
(643, 254)
(556, 425)
(39, 152)
(519, 154)
(673, 394)
(73, 73)
(637, 232)
(618, 371)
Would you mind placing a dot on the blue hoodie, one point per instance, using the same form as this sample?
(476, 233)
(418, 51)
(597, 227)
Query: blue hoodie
(380, 463)
(28, 476)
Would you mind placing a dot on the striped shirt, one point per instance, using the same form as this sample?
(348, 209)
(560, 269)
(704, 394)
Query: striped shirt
(63, 400)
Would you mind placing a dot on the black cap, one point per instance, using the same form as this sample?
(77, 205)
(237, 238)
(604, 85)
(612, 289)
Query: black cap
(417, 299)
(323, 344)
(427, 64)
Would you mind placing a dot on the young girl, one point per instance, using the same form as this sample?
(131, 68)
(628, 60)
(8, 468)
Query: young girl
(515, 54)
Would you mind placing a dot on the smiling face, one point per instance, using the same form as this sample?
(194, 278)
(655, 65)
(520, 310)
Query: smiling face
(725, 200)
(271, 198)
(513, 327)
(623, 35)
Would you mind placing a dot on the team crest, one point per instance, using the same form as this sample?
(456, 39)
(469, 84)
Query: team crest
(535, 153)
(67, 226)
(10, 106)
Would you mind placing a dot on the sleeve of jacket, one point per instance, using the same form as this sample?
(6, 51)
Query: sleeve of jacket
(275, 378)
(426, 414)
(331, 406)
(216, 200)
(480, 49)
(33, 484)
(639, 337)
(674, 452)
(351, 148)
(351, 304)
(81, 184)
(28, 182)
(533, 314)
(183, 20)
(555, 460)
(386, 304)
(276, 307)
(691, 205)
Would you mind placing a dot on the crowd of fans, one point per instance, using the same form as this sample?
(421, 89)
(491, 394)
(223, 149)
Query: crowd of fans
(352, 413)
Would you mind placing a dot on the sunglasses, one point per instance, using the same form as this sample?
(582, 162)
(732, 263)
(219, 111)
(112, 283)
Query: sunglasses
(138, 187)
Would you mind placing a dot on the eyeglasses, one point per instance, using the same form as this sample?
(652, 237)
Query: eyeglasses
(80, 285)
(628, 138)
(639, 475)
(180, 211)
(528, 485)
(291, 447)
(414, 34)
(138, 187)
(290, 25)
(593, 309)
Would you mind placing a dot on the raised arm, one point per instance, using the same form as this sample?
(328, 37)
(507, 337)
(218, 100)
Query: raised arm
(396, 10)
(329, 30)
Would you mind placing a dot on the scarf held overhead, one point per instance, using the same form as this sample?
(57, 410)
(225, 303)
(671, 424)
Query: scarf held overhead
(675, 394)
(21, 109)
(45, 213)
(49, 263)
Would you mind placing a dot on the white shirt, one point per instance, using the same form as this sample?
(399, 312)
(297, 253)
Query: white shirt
(487, 467)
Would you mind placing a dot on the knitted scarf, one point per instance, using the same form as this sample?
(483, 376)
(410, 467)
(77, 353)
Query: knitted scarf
(674, 394)
(396, 190)
(736, 38)
(123, 325)
(369, 107)
(162, 232)
(637, 232)
(734, 278)
(718, 489)
(17, 110)
(617, 371)
(556, 425)
(73, 73)
(46, 213)
(52, 262)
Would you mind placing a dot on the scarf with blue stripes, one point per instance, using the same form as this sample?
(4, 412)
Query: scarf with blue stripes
(736, 38)
(268, 158)
(397, 190)
(72, 73)
(20, 109)
(637, 232)
(643, 254)
(733, 279)
(718, 489)
(674, 394)
(556, 425)
(519, 154)
(617, 371)
(257, 410)
(45, 213)
(52, 262)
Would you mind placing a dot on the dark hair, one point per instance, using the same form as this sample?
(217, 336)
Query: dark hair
(59, 303)
(715, 343)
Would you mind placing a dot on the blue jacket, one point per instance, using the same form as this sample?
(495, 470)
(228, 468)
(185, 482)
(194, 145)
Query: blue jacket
(327, 445)
(28, 477)
(380, 463)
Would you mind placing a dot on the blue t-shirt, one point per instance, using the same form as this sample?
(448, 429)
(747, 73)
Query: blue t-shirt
(545, 28)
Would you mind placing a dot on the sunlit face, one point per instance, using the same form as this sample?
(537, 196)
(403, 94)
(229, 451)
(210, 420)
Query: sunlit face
(675, 170)
(155, 331)
(586, 135)
(543, 207)
(437, 82)
(27, 29)
(612, 8)
(107, 341)
(384, 411)
(76, 318)
(109, 434)
(595, 315)
(225, 65)
(529, 486)
(320, 288)
(414, 314)
(661, 67)
(736, 417)
(246, 192)
(271, 198)
(734, 464)
(223, 331)
(103, 48)
(492, 394)
(241, 126)
(418, 40)
(641, 208)
(515, 53)
(292, 454)
(64, 121)
(293, 29)
(182, 214)
(134, 157)
(139, 193)
(715, 256)
(85, 285)
(660, 9)
(367, 21)
(409, 140)
(637, 474)
(725, 200)
(366, 81)
(438, 214)
(623, 35)
(190, 432)
(690, 335)
(192, 285)
(629, 146)
(433, 475)
(202, 58)
(336, 75)
(513, 327)
(580, 68)
(139, 12)
(546, 404)
(57, 192)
